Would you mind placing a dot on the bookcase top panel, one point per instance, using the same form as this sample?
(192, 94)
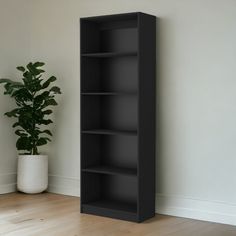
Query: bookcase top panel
(115, 17)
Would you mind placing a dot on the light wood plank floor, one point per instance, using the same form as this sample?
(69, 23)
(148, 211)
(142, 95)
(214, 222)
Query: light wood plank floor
(57, 215)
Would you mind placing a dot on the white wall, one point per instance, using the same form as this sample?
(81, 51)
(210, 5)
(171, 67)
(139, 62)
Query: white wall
(196, 102)
(14, 50)
(55, 41)
(196, 98)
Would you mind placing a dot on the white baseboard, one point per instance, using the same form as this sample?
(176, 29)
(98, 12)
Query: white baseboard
(7, 183)
(64, 185)
(181, 206)
(219, 212)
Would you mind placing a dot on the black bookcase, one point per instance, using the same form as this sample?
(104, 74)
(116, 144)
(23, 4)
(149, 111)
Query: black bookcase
(118, 61)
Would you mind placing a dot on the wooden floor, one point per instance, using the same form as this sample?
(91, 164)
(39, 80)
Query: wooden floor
(57, 215)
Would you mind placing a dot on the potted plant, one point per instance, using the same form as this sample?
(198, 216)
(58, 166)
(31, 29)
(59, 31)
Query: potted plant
(33, 96)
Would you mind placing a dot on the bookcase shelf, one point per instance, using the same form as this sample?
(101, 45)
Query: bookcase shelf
(114, 205)
(109, 54)
(111, 170)
(116, 209)
(118, 115)
(110, 132)
(108, 93)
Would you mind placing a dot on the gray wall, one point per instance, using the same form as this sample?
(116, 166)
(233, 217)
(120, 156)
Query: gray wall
(14, 50)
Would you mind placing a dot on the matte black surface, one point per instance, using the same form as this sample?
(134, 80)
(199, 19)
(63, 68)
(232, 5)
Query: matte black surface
(110, 54)
(115, 113)
(109, 93)
(120, 40)
(120, 74)
(119, 188)
(111, 170)
(110, 132)
(112, 209)
(119, 151)
(147, 116)
(114, 205)
(118, 60)
(114, 74)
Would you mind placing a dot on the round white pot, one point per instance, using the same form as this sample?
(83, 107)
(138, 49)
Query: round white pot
(32, 173)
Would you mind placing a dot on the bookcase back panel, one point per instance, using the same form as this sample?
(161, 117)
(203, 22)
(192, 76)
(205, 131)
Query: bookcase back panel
(119, 40)
(119, 74)
(99, 36)
(117, 151)
(109, 112)
(119, 188)
(119, 112)
(113, 188)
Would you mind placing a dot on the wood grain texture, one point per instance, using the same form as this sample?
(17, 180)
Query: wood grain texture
(57, 215)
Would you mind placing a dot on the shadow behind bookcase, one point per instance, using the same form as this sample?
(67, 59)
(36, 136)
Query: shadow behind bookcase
(118, 116)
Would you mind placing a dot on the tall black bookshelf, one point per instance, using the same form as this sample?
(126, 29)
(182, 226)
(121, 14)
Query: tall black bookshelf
(118, 61)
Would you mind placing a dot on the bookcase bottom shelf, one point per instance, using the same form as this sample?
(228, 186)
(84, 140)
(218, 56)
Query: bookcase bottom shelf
(112, 209)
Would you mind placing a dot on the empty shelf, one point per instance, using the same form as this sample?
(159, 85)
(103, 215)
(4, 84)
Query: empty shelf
(109, 93)
(113, 205)
(111, 170)
(110, 132)
(109, 54)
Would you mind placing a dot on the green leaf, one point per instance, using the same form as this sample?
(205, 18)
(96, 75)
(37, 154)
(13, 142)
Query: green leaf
(8, 88)
(50, 102)
(50, 80)
(47, 112)
(20, 68)
(41, 97)
(32, 97)
(46, 122)
(13, 113)
(20, 133)
(41, 142)
(30, 67)
(34, 70)
(24, 143)
(46, 138)
(6, 81)
(46, 131)
(11, 82)
(22, 95)
(55, 89)
(15, 124)
(28, 77)
(40, 71)
(39, 64)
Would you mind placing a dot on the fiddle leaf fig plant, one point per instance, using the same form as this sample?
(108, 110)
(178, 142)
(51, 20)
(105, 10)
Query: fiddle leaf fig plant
(34, 97)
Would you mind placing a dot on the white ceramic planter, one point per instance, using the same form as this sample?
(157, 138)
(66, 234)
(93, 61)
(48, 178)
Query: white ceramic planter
(32, 173)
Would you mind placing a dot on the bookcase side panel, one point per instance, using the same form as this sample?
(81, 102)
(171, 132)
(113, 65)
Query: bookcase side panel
(146, 129)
